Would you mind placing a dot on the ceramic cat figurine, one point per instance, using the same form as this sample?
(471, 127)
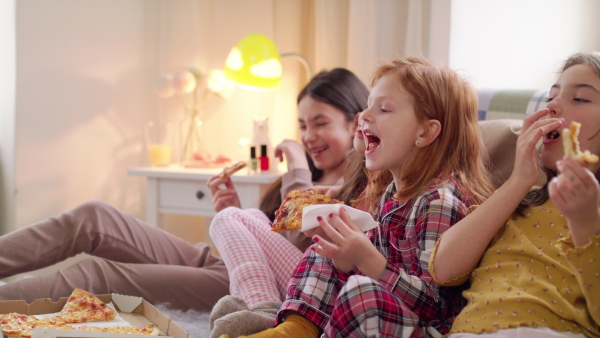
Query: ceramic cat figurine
(261, 135)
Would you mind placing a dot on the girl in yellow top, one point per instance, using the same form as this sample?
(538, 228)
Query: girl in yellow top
(533, 256)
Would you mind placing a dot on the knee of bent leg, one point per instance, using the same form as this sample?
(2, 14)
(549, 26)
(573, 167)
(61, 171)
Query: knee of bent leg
(87, 214)
(225, 220)
(91, 208)
(359, 286)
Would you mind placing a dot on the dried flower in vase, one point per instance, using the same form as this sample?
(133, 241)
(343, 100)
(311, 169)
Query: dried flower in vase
(193, 89)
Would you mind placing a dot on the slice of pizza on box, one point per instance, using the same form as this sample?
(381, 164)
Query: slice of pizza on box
(80, 307)
(84, 307)
(289, 214)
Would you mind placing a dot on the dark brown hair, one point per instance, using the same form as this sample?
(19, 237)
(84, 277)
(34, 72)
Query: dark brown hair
(438, 93)
(539, 196)
(339, 88)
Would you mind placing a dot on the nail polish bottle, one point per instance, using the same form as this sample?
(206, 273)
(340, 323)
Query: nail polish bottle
(264, 160)
(253, 160)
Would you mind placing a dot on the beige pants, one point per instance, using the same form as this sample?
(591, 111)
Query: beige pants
(129, 257)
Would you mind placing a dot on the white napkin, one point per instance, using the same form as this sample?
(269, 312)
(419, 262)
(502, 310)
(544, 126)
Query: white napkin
(364, 220)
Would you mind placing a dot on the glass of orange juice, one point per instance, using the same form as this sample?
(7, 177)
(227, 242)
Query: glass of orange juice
(159, 143)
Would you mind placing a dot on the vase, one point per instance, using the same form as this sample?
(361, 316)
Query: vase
(192, 145)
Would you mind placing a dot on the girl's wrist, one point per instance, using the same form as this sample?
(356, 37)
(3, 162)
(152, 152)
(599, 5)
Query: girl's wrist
(296, 163)
(517, 186)
(583, 230)
(373, 265)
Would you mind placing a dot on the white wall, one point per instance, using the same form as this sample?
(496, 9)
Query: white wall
(85, 86)
(83, 90)
(8, 67)
(520, 43)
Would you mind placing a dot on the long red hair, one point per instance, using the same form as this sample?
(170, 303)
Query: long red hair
(438, 93)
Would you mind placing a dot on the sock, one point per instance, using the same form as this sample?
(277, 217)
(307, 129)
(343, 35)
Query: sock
(226, 305)
(242, 323)
(295, 326)
(259, 317)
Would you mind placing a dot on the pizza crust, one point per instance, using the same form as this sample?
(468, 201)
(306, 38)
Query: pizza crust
(571, 145)
(289, 214)
(232, 169)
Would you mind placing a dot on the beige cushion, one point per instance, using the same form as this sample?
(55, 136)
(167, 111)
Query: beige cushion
(500, 140)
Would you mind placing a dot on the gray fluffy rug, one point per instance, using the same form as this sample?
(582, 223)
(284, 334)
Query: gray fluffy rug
(195, 323)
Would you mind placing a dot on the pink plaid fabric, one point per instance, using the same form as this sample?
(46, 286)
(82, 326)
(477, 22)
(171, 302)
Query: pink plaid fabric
(260, 262)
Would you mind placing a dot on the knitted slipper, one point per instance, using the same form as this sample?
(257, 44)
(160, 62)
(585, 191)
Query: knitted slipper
(225, 306)
(244, 322)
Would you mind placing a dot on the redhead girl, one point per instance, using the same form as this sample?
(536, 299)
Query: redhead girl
(531, 256)
(420, 127)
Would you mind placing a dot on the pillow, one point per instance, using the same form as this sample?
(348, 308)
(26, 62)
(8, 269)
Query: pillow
(500, 140)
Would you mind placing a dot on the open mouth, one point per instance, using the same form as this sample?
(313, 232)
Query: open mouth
(319, 150)
(553, 135)
(372, 141)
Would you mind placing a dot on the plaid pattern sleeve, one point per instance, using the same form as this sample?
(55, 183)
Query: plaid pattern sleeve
(405, 298)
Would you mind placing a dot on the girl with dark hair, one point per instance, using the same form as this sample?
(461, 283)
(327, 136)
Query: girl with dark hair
(260, 261)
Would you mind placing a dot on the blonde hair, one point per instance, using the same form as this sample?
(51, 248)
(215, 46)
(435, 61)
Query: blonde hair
(438, 93)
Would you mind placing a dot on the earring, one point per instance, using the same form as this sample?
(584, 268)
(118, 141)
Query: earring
(417, 142)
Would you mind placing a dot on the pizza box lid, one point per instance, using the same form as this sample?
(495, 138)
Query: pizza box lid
(135, 310)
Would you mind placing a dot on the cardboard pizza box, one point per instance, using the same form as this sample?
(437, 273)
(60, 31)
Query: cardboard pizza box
(134, 310)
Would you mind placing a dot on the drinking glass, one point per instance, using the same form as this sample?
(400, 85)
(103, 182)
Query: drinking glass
(159, 139)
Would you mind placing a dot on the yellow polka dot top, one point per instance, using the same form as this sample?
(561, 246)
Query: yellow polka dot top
(532, 275)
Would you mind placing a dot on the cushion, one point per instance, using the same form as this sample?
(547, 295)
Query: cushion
(500, 140)
(510, 103)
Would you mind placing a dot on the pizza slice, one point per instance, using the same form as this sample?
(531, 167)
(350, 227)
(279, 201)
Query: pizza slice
(289, 214)
(83, 307)
(571, 145)
(16, 324)
(232, 169)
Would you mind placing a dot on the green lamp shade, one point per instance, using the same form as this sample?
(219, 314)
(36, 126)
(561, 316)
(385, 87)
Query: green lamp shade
(254, 62)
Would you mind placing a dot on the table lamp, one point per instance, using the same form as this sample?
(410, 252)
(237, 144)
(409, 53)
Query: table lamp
(254, 63)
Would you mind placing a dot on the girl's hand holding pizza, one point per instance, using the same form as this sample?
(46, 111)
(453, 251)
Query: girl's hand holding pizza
(329, 190)
(576, 193)
(223, 197)
(348, 246)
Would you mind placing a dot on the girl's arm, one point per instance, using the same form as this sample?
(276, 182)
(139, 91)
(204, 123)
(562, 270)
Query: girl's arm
(463, 245)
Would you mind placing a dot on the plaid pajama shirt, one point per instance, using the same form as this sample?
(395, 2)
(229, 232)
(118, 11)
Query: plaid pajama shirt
(405, 300)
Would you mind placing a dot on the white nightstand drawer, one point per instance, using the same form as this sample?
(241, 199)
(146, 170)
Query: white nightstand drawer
(183, 191)
(184, 194)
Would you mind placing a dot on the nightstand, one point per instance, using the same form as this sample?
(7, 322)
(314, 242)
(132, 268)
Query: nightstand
(183, 191)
